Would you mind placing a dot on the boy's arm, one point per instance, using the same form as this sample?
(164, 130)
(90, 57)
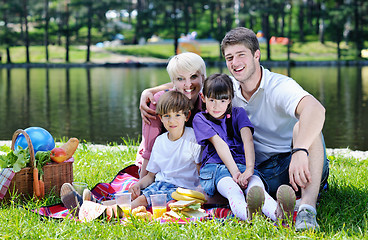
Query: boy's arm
(198, 165)
(223, 151)
(142, 183)
(247, 139)
(147, 97)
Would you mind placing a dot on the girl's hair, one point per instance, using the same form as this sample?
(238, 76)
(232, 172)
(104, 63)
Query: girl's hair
(240, 35)
(219, 86)
(185, 62)
(173, 101)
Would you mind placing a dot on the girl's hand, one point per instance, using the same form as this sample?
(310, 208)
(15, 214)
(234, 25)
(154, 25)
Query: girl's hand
(236, 177)
(135, 190)
(244, 177)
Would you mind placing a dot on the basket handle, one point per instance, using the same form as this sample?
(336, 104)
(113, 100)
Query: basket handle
(29, 142)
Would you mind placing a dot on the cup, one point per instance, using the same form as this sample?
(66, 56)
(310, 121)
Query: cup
(158, 205)
(79, 187)
(124, 201)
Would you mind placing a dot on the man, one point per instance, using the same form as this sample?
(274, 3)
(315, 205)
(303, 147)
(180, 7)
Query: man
(288, 124)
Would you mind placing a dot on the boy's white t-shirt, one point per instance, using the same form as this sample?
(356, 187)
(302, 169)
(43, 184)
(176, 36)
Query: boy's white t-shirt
(175, 161)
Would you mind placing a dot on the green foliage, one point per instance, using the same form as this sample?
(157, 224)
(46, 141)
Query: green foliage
(342, 210)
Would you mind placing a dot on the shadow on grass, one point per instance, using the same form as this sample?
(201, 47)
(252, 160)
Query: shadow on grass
(343, 208)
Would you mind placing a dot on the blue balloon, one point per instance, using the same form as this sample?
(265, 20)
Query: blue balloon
(41, 139)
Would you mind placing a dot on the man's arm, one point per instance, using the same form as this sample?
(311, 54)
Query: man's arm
(311, 115)
(147, 97)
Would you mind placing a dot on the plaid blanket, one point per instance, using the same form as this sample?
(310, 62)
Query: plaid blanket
(6, 177)
(106, 191)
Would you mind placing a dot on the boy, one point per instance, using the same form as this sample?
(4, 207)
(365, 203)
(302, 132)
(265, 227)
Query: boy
(175, 153)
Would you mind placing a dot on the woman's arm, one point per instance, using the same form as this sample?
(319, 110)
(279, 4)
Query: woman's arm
(147, 97)
(224, 153)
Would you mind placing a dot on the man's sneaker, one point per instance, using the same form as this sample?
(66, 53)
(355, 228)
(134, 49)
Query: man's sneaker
(306, 219)
(255, 200)
(286, 198)
(70, 198)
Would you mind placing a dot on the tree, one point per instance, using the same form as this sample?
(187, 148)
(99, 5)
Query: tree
(46, 35)
(5, 37)
(26, 38)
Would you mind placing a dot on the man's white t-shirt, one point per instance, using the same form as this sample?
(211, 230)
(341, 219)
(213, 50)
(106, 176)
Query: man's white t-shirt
(271, 109)
(175, 161)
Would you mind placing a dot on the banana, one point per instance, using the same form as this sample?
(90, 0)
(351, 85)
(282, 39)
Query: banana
(178, 196)
(191, 193)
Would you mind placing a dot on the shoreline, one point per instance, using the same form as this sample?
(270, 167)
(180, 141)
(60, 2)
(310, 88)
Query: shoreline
(338, 152)
(138, 62)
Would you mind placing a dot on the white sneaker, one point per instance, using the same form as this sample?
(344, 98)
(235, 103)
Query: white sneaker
(305, 220)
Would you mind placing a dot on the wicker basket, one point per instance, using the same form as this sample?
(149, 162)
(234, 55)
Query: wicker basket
(55, 174)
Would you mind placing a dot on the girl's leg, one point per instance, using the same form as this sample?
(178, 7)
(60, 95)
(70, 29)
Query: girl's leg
(270, 205)
(231, 190)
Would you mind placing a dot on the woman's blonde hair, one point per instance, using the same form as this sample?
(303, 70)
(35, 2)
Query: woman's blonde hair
(185, 62)
(173, 101)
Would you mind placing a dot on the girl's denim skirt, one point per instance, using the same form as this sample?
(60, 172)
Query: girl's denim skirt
(211, 173)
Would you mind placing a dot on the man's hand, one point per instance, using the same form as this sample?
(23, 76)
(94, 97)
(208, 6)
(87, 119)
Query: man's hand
(135, 190)
(244, 178)
(146, 112)
(299, 173)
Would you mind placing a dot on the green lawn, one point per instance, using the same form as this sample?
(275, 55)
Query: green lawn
(342, 212)
(309, 51)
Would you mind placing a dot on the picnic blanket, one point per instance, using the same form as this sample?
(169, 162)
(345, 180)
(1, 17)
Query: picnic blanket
(106, 191)
(6, 176)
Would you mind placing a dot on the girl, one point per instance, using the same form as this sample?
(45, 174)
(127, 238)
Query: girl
(228, 157)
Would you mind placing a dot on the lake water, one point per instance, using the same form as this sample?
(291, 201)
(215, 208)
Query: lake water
(100, 105)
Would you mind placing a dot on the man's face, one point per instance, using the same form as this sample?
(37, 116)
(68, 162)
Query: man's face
(241, 62)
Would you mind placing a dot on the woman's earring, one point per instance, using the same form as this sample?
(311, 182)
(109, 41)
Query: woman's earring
(228, 115)
(206, 111)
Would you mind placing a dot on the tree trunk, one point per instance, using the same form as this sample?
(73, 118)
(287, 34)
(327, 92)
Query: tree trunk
(186, 16)
(289, 31)
(89, 29)
(46, 36)
(8, 58)
(138, 25)
(26, 39)
(176, 35)
(67, 32)
(358, 37)
(301, 22)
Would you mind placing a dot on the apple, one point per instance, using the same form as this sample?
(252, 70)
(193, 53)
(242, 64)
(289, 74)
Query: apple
(58, 155)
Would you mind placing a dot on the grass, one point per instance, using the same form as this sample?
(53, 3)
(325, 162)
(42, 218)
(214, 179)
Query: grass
(309, 51)
(342, 212)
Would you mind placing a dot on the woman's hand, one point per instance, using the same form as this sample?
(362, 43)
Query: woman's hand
(146, 112)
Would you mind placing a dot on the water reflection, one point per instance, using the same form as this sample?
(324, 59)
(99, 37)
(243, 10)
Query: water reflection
(101, 104)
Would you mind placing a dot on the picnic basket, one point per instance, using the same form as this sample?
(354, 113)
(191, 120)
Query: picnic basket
(55, 174)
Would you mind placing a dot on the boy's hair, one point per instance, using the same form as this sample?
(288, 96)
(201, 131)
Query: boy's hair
(240, 35)
(220, 86)
(185, 62)
(173, 101)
